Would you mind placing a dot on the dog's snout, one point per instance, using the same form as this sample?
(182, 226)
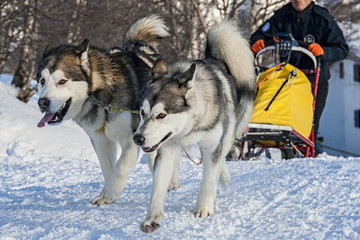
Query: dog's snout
(44, 103)
(139, 139)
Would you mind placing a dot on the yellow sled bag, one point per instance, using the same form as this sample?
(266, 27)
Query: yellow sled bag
(284, 98)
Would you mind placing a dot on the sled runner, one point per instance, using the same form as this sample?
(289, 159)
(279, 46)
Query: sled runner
(284, 104)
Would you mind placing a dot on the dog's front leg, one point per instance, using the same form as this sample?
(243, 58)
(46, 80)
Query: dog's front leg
(151, 160)
(106, 152)
(175, 183)
(115, 183)
(207, 196)
(163, 170)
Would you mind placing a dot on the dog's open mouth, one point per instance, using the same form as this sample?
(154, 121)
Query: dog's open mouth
(153, 148)
(57, 117)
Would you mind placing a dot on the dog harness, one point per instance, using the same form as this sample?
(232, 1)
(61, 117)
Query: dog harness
(110, 107)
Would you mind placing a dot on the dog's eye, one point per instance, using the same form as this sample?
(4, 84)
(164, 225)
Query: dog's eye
(62, 82)
(161, 115)
(142, 112)
(42, 81)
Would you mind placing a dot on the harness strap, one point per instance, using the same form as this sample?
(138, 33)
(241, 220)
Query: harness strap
(196, 163)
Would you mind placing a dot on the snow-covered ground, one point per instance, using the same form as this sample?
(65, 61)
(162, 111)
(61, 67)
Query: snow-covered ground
(49, 175)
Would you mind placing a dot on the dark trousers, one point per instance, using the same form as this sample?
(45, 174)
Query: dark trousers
(322, 92)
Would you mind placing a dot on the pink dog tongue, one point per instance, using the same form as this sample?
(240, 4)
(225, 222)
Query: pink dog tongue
(45, 119)
(146, 149)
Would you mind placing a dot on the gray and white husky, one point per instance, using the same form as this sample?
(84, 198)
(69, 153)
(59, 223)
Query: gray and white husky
(205, 102)
(77, 82)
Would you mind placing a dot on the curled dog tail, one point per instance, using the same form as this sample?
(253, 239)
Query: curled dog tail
(147, 30)
(226, 43)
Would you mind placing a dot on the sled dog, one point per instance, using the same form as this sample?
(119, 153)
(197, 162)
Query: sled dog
(96, 89)
(204, 102)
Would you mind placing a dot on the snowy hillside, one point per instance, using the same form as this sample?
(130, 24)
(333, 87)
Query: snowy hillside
(49, 175)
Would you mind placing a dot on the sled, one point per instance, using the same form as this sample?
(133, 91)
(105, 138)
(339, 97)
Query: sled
(283, 106)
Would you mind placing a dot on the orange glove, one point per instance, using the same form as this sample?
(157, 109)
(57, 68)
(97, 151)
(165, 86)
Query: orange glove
(258, 45)
(316, 49)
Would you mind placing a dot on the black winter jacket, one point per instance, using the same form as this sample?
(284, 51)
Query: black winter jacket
(314, 24)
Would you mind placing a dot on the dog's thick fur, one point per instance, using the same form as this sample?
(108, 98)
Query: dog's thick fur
(204, 102)
(75, 81)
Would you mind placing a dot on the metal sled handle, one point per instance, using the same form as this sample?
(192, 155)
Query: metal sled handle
(294, 48)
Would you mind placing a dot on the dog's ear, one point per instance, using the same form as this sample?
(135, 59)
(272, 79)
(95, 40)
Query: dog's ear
(47, 49)
(83, 49)
(187, 76)
(159, 69)
(83, 46)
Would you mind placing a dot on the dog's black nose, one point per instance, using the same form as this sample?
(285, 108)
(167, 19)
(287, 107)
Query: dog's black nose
(44, 103)
(139, 139)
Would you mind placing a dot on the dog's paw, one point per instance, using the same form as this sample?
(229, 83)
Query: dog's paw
(152, 223)
(101, 200)
(173, 185)
(149, 227)
(204, 211)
